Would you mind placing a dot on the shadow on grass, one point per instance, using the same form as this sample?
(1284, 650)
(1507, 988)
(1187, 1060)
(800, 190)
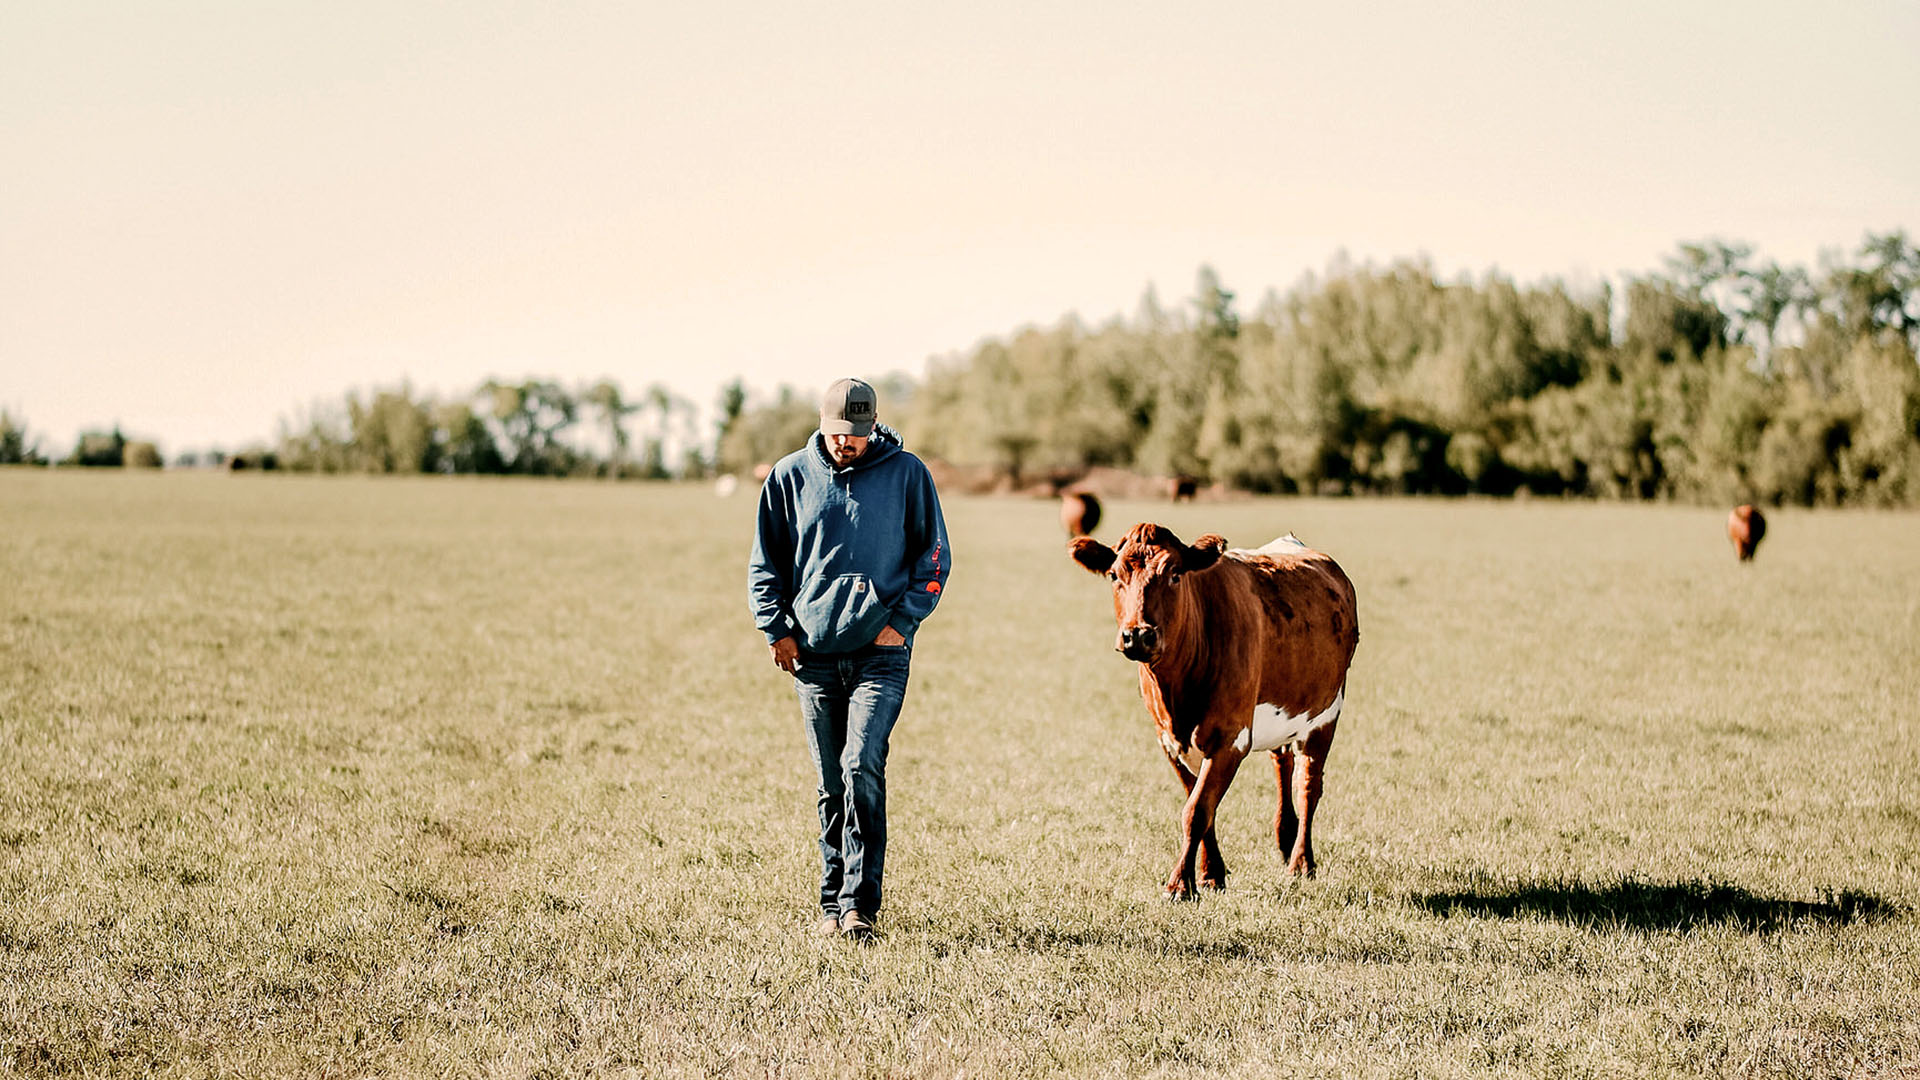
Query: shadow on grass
(1622, 905)
(1642, 905)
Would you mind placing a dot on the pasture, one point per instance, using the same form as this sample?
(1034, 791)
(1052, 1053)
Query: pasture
(347, 777)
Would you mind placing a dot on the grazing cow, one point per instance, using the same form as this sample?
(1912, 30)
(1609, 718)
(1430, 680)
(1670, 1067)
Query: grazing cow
(1181, 488)
(1079, 512)
(1239, 651)
(1745, 527)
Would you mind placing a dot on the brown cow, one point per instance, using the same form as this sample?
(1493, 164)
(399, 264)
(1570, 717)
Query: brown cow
(1745, 527)
(1079, 512)
(1239, 651)
(1182, 488)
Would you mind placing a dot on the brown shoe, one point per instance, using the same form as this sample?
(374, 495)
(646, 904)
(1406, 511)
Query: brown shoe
(857, 926)
(828, 926)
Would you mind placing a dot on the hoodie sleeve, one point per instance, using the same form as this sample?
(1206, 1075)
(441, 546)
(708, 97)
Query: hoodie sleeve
(770, 568)
(933, 556)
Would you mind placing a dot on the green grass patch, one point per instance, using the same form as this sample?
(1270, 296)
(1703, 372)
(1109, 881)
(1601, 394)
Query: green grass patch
(343, 777)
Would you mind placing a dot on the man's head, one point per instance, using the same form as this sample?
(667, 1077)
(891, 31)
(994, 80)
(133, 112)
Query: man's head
(846, 419)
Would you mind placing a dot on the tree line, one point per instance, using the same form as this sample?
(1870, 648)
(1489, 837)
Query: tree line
(530, 427)
(1722, 376)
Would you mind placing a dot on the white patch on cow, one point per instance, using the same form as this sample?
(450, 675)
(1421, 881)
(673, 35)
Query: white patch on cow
(1285, 545)
(1274, 727)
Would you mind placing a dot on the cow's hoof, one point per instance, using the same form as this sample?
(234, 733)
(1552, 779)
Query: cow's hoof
(1213, 884)
(1302, 870)
(1181, 896)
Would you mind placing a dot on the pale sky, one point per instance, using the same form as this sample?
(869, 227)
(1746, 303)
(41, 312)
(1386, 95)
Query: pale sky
(213, 214)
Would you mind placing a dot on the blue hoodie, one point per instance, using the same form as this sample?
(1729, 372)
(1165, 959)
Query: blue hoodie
(839, 553)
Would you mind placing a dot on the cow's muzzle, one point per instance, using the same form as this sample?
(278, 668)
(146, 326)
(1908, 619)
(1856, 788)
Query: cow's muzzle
(1138, 642)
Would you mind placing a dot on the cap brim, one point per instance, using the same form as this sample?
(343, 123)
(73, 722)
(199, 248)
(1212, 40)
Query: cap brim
(846, 427)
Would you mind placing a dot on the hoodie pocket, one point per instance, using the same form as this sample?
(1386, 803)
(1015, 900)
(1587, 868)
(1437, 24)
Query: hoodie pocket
(839, 614)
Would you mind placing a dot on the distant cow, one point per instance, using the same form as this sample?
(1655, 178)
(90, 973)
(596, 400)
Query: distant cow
(1181, 488)
(1079, 513)
(1745, 527)
(1239, 651)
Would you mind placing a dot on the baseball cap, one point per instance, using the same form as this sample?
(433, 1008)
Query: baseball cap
(847, 409)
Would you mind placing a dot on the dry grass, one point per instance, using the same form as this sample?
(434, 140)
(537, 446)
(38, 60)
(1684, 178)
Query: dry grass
(316, 777)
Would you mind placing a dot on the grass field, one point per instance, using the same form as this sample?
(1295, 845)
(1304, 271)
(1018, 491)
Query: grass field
(343, 777)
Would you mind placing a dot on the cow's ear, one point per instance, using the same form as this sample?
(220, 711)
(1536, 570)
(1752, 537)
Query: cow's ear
(1203, 553)
(1090, 553)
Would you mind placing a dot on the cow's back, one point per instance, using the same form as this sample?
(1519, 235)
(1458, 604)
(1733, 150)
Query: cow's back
(1307, 627)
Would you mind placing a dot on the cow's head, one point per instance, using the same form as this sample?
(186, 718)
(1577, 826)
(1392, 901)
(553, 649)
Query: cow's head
(1148, 568)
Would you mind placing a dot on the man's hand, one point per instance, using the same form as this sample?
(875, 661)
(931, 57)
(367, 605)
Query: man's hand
(786, 654)
(890, 638)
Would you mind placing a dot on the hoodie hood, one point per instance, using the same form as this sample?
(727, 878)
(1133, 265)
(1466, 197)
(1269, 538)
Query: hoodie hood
(885, 443)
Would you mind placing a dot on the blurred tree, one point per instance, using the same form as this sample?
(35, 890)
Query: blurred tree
(319, 440)
(18, 446)
(531, 416)
(1881, 404)
(606, 399)
(99, 449)
(1882, 294)
(1770, 293)
(767, 433)
(732, 404)
(1188, 368)
(1007, 403)
(1726, 440)
(1149, 316)
(665, 419)
(1713, 272)
(390, 432)
(463, 443)
(1793, 462)
(1669, 323)
(1213, 307)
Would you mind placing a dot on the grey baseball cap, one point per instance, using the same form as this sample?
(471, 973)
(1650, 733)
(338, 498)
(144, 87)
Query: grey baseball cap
(847, 409)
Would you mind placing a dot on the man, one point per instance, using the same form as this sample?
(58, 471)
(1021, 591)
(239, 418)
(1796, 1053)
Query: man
(849, 555)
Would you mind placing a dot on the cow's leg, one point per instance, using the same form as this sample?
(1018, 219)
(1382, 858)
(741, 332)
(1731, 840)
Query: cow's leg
(1286, 823)
(1196, 820)
(1310, 764)
(1212, 868)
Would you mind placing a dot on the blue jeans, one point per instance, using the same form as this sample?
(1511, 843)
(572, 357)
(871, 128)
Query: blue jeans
(850, 702)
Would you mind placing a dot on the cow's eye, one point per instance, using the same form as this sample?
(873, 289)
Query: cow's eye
(1113, 576)
(1173, 579)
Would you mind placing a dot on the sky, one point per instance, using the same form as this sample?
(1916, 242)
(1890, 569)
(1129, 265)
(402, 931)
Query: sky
(214, 215)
